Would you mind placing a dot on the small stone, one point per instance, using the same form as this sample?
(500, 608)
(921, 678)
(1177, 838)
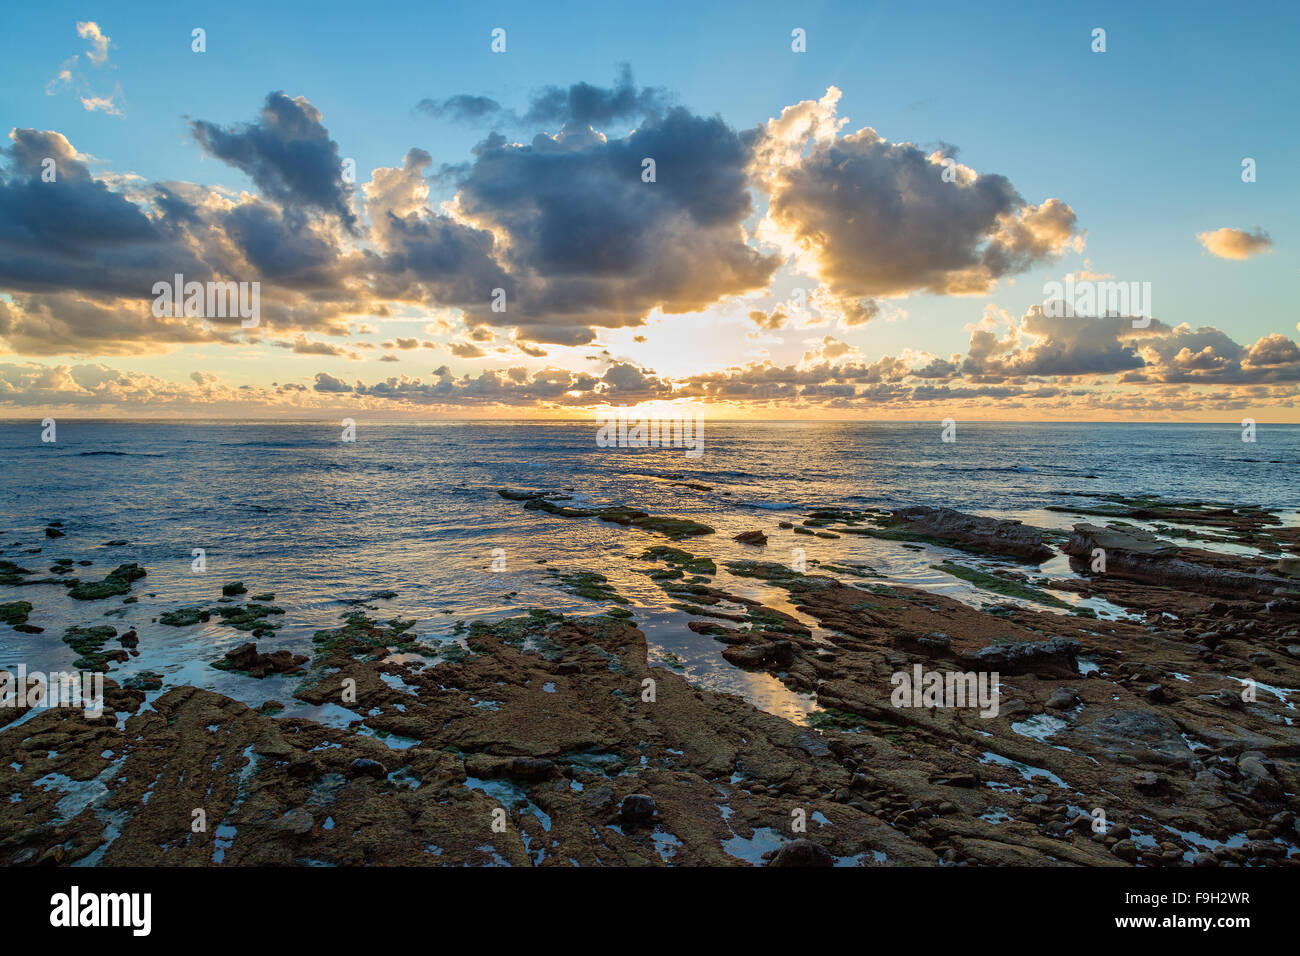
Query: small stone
(1126, 850)
(1063, 698)
(297, 821)
(365, 767)
(803, 853)
(637, 808)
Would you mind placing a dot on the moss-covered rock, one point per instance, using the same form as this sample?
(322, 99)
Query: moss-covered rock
(116, 582)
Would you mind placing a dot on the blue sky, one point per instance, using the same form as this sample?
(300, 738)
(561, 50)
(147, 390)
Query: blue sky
(1144, 142)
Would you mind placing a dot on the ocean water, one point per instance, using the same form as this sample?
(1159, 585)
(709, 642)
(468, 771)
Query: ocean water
(413, 508)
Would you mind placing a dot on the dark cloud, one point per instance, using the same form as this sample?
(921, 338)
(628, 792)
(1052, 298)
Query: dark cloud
(590, 243)
(462, 108)
(288, 153)
(587, 105)
(328, 383)
(581, 104)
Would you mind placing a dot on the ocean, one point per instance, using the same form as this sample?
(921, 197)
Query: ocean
(413, 508)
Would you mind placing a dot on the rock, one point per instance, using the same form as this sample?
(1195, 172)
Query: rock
(245, 658)
(1063, 698)
(1129, 736)
(230, 590)
(296, 821)
(1138, 555)
(1147, 780)
(812, 744)
(751, 537)
(1126, 850)
(974, 532)
(116, 582)
(365, 767)
(15, 613)
(637, 809)
(757, 655)
(1155, 693)
(1290, 566)
(1256, 778)
(1058, 654)
(964, 780)
(1204, 859)
(803, 853)
(531, 768)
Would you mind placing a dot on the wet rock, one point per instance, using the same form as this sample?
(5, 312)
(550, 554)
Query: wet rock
(1257, 779)
(185, 616)
(15, 613)
(803, 853)
(1138, 555)
(637, 809)
(1147, 781)
(296, 821)
(230, 590)
(116, 582)
(1063, 698)
(1138, 735)
(246, 659)
(365, 767)
(973, 532)
(759, 655)
(1126, 850)
(1056, 655)
(751, 537)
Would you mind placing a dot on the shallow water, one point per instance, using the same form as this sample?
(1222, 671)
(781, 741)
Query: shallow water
(291, 509)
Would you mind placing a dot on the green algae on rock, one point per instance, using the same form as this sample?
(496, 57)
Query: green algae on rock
(669, 527)
(682, 561)
(117, 582)
(590, 585)
(89, 643)
(999, 585)
(184, 616)
(15, 613)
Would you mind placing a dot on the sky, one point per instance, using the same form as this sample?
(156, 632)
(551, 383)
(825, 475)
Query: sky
(836, 210)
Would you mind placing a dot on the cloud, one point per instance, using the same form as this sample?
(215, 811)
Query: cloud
(466, 350)
(99, 41)
(70, 78)
(873, 218)
(328, 383)
(288, 153)
(774, 319)
(462, 108)
(1235, 243)
(588, 243)
(580, 104)
(586, 105)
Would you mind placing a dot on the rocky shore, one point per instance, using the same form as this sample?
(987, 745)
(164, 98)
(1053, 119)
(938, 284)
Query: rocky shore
(1163, 737)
